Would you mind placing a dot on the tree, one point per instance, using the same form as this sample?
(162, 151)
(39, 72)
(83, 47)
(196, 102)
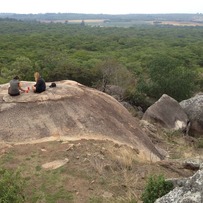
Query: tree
(82, 23)
(22, 67)
(168, 76)
(113, 73)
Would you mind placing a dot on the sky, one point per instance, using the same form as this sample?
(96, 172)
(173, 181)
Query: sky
(101, 6)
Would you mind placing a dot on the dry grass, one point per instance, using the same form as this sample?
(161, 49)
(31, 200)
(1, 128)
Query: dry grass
(95, 167)
(124, 156)
(97, 164)
(176, 23)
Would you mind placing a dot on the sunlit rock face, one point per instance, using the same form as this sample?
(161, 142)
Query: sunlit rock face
(71, 111)
(194, 109)
(191, 191)
(168, 113)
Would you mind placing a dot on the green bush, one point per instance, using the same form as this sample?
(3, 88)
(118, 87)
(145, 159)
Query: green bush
(136, 98)
(11, 187)
(156, 187)
(168, 76)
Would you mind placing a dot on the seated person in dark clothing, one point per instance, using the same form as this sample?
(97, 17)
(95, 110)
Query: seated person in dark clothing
(15, 87)
(40, 85)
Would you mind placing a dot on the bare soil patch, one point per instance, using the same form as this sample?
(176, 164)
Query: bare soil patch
(183, 23)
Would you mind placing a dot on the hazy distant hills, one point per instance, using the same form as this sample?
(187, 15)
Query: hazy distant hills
(104, 20)
(127, 17)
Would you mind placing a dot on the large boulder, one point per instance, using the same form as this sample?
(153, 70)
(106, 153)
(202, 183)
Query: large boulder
(71, 111)
(190, 192)
(168, 113)
(193, 107)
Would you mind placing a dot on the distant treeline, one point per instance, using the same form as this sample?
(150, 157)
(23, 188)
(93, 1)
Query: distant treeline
(126, 17)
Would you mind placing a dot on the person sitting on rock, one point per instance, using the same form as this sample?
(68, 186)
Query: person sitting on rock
(40, 85)
(15, 87)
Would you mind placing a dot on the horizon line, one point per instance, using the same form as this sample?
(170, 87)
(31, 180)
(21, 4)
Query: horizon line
(169, 13)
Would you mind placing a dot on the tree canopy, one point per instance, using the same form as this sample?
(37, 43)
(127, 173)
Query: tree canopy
(169, 58)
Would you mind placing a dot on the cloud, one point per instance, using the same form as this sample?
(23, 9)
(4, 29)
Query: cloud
(101, 6)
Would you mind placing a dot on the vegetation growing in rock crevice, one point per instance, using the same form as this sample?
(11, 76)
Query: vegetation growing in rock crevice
(156, 187)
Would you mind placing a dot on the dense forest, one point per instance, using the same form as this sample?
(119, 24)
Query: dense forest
(145, 60)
